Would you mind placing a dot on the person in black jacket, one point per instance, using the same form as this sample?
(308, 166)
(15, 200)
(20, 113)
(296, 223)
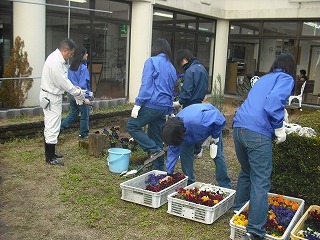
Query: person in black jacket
(194, 87)
(195, 79)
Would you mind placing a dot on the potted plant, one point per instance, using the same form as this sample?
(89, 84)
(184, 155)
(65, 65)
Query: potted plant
(113, 135)
(132, 145)
(124, 142)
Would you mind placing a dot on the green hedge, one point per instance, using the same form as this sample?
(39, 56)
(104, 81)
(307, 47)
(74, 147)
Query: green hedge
(296, 163)
(311, 120)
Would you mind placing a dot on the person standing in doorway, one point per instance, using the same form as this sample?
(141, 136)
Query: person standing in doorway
(54, 82)
(79, 76)
(154, 102)
(258, 120)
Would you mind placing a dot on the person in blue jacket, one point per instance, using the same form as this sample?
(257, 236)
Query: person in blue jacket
(257, 121)
(79, 76)
(154, 102)
(193, 124)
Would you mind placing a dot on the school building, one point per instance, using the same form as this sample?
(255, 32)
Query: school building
(234, 39)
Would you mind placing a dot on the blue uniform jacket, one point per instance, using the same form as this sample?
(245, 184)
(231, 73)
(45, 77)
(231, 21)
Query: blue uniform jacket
(263, 110)
(81, 78)
(200, 121)
(195, 84)
(157, 87)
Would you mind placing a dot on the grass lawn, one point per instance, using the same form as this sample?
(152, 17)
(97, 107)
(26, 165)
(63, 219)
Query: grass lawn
(82, 199)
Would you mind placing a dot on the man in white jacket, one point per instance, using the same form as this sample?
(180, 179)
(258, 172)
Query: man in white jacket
(54, 82)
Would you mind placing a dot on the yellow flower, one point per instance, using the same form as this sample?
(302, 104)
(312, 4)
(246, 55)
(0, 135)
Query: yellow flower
(205, 198)
(240, 220)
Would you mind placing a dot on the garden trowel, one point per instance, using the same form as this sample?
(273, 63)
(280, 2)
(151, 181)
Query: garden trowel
(134, 171)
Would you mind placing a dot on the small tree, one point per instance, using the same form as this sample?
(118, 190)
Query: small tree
(217, 94)
(243, 90)
(13, 93)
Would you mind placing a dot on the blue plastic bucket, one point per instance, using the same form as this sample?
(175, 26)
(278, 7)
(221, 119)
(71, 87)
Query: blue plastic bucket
(118, 159)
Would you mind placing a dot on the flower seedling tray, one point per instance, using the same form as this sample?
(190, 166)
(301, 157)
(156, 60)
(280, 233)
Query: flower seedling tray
(299, 226)
(238, 231)
(134, 190)
(199, 212)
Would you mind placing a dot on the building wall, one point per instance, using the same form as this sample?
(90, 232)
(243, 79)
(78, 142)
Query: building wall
(34, 40)
(140, 47)
(141, 29)
(248, 9)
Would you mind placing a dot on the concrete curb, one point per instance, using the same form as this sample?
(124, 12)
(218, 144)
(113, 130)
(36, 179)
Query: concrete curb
(36, 111)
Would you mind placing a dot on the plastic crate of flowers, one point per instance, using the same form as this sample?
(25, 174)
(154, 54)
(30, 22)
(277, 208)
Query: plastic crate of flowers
(201, 202)
(148, 189)
(308, 227)
(284, 213)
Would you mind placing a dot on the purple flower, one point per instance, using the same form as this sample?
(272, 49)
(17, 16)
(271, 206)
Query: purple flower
(180, 75)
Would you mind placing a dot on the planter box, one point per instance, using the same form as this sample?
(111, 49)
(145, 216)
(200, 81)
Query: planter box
(238, 231)
(299, 226)
(134, 190)
(198, 212)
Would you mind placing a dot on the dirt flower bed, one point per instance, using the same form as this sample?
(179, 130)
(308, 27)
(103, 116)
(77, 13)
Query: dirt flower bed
(82, 199)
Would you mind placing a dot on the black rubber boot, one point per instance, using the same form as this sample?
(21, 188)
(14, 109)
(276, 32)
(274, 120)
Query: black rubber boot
(50, 155)
(58, 155)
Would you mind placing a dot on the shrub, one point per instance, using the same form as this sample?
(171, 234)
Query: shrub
(217, 98)
(310, 120)
(296, 168)
(13, 93)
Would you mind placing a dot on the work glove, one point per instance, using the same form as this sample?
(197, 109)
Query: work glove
(80, 98)
(280, 135)
(78, 102)
(214, 140)
(213, 150)
(76, 91)
(135, 111)
(176, 104)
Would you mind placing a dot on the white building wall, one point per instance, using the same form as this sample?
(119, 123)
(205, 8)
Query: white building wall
(208, 8)
(30, 26)
(220, 57)
(140, 47)
(259, 9)
(248, 9)
(29, 23)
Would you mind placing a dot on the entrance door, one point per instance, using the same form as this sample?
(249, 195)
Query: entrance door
(314, 71)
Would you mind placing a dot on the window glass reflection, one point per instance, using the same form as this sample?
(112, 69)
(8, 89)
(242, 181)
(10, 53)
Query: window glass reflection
(311, 29)
(186, 21)
(163, 18)
(206, 25)
(114, 9)
(280, 28)
(244, 28)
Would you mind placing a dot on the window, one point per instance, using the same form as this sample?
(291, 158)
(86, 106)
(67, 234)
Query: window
(280, 28)
(103, 32)
(244, 28)
(311, 29)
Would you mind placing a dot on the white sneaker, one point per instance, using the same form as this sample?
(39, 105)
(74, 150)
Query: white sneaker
(199, 155)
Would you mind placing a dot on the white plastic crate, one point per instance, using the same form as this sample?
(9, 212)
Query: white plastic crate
(134, 190)
(300, 225)
(198, 212)
(238, 231)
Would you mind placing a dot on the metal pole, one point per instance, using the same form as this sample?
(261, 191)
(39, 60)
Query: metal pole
(69, 20)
